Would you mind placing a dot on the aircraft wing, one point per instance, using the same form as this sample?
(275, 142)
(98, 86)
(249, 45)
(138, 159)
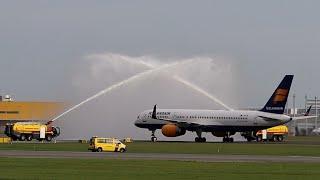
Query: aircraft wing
(181, 122)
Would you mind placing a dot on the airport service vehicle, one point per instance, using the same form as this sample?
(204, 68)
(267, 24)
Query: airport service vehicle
(316, 131)
(277, 133)
(221, 123)
(31, 130)
(98, 144)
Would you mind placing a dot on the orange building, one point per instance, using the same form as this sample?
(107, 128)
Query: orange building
(11, 111)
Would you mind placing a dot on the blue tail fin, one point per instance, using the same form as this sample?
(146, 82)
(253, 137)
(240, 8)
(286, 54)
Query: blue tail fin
(278, 100)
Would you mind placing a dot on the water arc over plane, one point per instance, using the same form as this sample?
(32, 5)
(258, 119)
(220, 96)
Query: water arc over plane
(177, 78)
(123, 83)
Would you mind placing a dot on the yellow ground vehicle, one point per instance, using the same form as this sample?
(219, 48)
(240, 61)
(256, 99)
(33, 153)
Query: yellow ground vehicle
(31, 130)
(98, 144)
(277, 133)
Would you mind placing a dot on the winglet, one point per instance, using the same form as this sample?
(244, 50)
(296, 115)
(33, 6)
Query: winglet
(308, 111)
(154, 112)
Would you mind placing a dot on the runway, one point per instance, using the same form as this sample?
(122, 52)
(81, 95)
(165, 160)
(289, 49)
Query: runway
(158, 156)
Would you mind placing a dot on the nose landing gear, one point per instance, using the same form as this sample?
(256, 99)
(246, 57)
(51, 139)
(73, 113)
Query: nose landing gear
(153, 137)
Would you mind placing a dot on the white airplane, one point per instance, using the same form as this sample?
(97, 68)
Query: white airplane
(221, 123)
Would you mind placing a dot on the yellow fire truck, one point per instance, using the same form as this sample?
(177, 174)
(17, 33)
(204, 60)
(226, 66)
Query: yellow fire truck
(277, 133)
(31, 130)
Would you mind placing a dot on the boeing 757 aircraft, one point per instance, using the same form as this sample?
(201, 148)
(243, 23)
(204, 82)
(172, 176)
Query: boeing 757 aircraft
(221, 123)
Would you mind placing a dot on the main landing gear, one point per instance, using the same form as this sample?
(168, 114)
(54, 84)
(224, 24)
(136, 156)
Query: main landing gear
(199, 138)
(153, 137)
(227, 138)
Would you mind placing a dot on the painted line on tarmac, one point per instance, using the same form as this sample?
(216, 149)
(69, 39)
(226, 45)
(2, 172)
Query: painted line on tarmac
(158, 156)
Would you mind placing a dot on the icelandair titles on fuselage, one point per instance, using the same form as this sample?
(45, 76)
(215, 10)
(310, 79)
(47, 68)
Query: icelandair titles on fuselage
(161, 113)
(274, 108)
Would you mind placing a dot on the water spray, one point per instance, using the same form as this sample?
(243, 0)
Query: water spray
(192, 86)
(122, 83)
(175, 77)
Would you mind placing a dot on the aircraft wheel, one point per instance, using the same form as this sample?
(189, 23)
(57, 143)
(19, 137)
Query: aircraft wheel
(154, 139)
(196, 139)
(223, 139)
(203, 139)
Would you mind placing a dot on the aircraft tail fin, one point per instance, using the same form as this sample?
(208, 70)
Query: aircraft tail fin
(278, 100)
(308, 111)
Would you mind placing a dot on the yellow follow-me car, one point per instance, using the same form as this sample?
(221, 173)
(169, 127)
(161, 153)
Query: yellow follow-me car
(98, 144)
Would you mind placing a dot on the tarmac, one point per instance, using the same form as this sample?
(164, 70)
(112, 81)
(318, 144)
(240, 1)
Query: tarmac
(158, 156)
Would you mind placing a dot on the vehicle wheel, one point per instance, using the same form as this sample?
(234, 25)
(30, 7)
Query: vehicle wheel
(230, 139)
(22, 137)
(275, 138)
(203, 139)
(280, 138)
(14, 138)
(196, 139)
(122, 150)
(99, 149)
(259, 138)
(153, 139)
(48, 138)
(29, 138)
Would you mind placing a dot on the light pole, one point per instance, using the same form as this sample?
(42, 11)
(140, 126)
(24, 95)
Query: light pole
(294, 112)
(316, 105)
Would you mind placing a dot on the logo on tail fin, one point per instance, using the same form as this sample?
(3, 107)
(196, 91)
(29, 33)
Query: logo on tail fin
(280, 96)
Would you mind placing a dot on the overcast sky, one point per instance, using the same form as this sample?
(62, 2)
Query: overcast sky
(49, 49)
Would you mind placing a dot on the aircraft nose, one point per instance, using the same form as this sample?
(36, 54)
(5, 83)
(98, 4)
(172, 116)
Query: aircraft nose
(136, 123)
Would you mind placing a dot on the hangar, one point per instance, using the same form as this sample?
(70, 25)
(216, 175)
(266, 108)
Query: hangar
(13, 111)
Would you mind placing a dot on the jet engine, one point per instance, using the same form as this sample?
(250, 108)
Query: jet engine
(172, 130)
(222, 133)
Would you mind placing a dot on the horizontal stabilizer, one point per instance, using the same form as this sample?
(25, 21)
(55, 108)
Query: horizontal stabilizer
(303, 117)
